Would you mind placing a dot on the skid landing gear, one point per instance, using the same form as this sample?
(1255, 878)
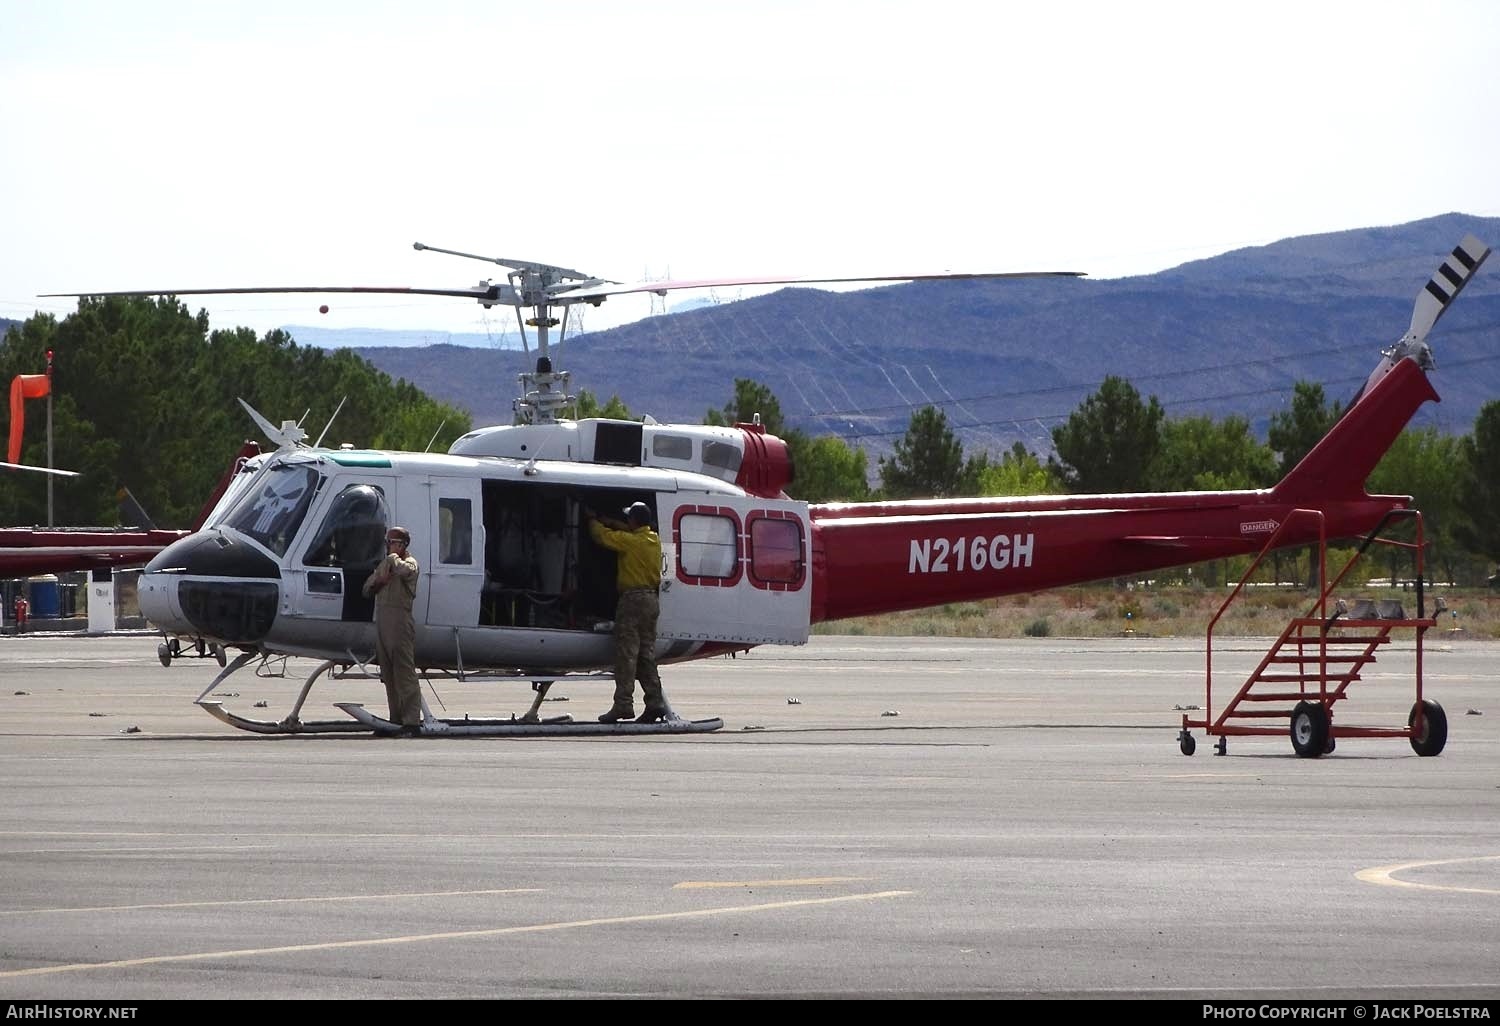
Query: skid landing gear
(520, 727)
(362, 721)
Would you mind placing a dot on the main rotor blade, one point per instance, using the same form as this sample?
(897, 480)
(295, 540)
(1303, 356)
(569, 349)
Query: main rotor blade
(392, 290)
(662, 287)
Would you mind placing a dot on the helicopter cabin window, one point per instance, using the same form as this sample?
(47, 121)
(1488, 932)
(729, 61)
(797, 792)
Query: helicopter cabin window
(722, 455)
(775, 551)
(672, 447)
(273, 512)
(353, 530)
(617, 442)
(455, 531)
(708, 547)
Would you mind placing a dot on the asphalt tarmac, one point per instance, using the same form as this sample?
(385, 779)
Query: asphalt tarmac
(878, 818)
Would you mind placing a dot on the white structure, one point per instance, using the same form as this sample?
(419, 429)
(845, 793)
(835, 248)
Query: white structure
(101, 587)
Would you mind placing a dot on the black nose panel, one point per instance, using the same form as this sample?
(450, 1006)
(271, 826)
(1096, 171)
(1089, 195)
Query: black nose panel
(227, 589)
(238, 612)
(211, 554)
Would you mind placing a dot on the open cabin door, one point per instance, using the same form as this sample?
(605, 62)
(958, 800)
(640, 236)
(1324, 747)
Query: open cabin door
(735, 569)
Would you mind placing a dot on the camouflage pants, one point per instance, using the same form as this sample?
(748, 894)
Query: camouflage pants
(635, 646)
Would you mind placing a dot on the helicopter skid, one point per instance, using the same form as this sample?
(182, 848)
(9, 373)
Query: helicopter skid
(363, 721)
(560, 726)
(289, 725)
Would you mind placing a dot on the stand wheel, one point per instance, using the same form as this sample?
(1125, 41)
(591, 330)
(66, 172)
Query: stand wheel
(164, 654)
(1434, 733)
(1310, 729)
(1186, 743)
(218, 653)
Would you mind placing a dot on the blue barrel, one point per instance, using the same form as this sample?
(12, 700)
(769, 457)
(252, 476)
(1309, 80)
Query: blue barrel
(45, 603)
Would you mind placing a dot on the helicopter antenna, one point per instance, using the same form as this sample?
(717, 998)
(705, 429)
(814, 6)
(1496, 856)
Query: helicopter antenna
(435, 434)
(340, 406)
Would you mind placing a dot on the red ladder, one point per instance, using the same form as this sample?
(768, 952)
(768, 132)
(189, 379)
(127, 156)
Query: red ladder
(1312, 664)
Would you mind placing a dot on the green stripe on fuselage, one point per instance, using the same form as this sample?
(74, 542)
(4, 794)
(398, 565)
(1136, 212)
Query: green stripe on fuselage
(360, 459)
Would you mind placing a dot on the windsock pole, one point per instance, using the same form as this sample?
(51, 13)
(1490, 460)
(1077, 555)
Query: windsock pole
(49, 437)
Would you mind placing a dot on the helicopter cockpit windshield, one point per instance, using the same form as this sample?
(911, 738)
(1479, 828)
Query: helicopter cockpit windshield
(353, 531)
(272, 513)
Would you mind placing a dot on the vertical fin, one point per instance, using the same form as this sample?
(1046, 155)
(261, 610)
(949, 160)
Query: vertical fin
(1338, 466)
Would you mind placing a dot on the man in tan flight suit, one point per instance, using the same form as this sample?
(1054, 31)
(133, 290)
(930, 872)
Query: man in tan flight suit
(394, 585)
(638, 580)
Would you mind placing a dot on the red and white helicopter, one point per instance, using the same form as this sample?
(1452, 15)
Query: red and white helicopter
(511, 581)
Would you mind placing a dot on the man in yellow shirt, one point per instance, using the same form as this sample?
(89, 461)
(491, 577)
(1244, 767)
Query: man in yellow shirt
(638, 579)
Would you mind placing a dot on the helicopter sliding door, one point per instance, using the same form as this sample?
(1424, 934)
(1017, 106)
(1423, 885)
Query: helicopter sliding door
(453, 571)
(738, 570)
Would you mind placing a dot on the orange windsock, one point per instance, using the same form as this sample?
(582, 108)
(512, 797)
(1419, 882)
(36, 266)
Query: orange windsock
(23, 387)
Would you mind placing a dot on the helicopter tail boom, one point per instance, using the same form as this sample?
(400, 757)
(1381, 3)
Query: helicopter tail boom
(872, 558)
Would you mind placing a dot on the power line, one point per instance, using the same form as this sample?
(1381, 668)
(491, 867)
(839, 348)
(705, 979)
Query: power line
(1221, 397)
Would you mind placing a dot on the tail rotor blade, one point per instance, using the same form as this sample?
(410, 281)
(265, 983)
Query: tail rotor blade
(1445, 285)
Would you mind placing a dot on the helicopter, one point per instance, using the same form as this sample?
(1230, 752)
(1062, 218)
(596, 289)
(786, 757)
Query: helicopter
(513, 586)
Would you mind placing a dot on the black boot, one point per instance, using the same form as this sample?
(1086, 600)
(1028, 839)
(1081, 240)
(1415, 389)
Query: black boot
(618, 712)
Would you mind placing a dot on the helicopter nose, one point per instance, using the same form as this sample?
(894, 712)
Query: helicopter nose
(214, 585)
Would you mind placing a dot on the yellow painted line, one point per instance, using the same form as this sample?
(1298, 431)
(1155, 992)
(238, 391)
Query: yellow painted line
(811, 881)
(293, 949)
(269, 901)
(1386, 875)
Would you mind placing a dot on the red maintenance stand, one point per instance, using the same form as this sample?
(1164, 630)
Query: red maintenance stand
(1310, 668)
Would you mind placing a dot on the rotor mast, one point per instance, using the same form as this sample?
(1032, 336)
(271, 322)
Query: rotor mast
(539, 287)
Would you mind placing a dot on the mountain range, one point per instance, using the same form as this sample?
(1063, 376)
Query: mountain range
(1007, 360)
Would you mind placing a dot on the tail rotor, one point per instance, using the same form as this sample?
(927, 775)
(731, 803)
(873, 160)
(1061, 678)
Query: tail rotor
(1441, 289)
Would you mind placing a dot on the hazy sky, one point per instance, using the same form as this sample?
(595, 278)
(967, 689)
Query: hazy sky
(199, 144)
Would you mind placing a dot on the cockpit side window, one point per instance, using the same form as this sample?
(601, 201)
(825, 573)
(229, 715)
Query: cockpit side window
(273, 512)
(353, 530)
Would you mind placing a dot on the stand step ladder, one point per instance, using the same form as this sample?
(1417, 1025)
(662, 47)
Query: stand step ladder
(1311, 666)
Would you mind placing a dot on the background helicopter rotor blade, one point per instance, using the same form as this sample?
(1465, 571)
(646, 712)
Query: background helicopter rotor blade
(40, 470)
(480, 293)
